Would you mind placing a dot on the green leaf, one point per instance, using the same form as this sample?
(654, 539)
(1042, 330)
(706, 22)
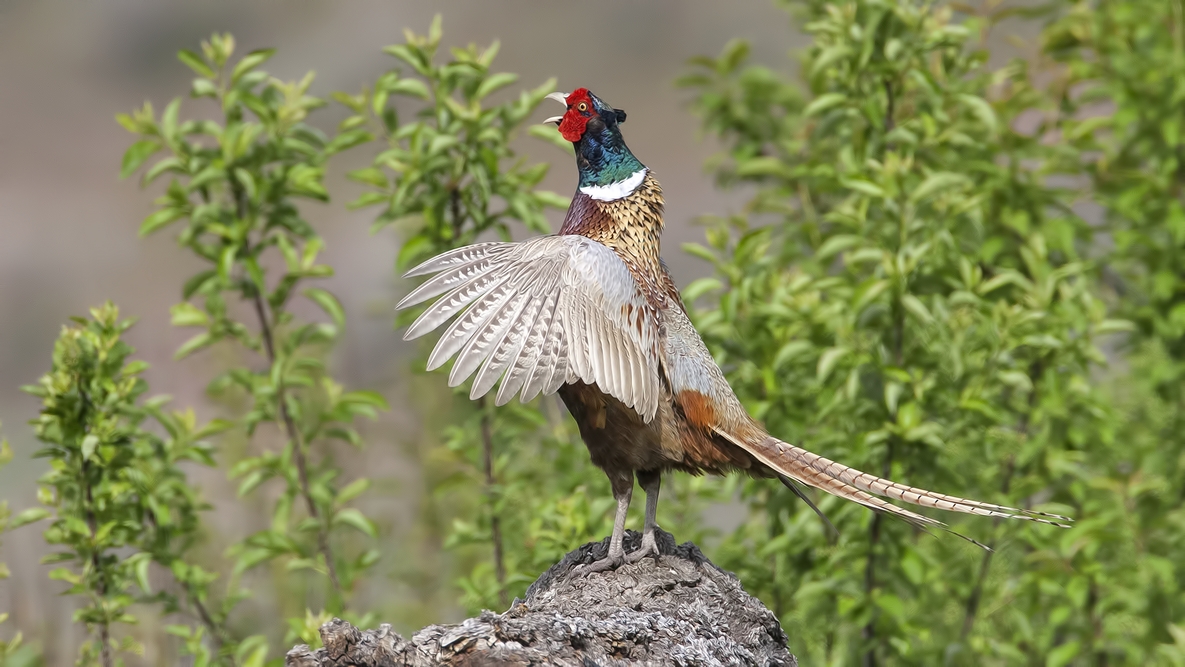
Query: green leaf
(352, 491)
(1114, 326)
(198, 342)
(194, 62)
(328, 303)
(837, 244)
(824, 103)
(828, 360)
(251, 482)
(366, 397)
(982, 110)
(186, 314)
(167, 164)
(370, 176)
(493, 83)
(935, 183)
(551, 134)
(249, 62)
(864, 187)
(413, 251)
(1062, 655)
(701, 287)
(203, 88)
(160, 219)
(89, 443)
(413, 87)
(31, 515)
(142, 565)
(763, 166)
(168, 120)
(135, 156)
(914, 305)
(352, 517)
(1005, 277)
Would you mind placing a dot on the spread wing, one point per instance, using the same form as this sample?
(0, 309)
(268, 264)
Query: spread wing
(539, 314)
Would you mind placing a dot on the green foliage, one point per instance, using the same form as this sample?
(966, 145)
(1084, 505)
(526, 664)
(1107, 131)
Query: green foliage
(908, 290)
(444, 178)
(1130, 56)
(234, 187)
(117, 496)
(1120, 91)
(7, 647)
(917, 305)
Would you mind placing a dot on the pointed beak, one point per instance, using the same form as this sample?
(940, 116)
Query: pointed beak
(562, 98)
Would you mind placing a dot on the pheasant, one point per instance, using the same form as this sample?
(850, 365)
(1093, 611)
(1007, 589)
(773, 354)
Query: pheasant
(593, 314)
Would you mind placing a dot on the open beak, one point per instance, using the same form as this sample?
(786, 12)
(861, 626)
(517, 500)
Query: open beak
(562, 98)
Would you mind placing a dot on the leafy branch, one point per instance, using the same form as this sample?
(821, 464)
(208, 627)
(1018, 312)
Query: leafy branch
(114, 486)
(234, 186)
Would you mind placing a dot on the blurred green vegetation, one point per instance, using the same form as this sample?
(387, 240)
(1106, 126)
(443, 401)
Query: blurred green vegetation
(909, 291)
(964, 275)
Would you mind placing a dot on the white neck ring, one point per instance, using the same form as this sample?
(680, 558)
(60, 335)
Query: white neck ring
(618, 190)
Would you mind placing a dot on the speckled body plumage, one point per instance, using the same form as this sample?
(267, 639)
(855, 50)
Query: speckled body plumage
(593, 314)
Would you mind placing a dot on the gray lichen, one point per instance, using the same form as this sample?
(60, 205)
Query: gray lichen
(677, 610)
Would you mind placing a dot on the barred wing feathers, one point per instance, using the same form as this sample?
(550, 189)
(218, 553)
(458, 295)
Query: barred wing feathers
(539, 314)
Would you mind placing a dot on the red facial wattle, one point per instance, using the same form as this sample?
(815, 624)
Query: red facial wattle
(573, 124)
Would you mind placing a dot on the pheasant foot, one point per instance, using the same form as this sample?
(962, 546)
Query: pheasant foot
(623, 489)
(610, 562)
(648, 549)
(650, 480)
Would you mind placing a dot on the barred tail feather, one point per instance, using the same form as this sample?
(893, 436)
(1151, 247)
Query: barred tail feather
(851, 484)
(911, 494)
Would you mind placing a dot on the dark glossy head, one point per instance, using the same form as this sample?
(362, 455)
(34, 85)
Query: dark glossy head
(584, 108)
(593, 127)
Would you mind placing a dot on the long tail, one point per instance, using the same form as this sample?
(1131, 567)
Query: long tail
(851, 484)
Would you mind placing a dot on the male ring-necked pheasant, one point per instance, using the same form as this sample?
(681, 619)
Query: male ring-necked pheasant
(593, 314)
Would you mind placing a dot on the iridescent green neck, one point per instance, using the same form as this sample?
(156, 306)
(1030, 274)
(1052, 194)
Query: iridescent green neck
(604, 159)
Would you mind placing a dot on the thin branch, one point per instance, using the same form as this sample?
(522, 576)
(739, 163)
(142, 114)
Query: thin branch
(218, 632)
(298, 454)
(292, 431)
(874, 536)
(92, 526)
(975, 598)
(487, 454)
(874, 530)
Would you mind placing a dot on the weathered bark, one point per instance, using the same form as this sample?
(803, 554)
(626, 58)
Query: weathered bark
(678, 610)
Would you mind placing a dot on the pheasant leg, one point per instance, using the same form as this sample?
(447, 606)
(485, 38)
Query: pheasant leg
(650, 481)
(623, 490)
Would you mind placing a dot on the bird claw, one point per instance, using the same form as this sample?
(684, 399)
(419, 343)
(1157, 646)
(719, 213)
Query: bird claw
(610, 562)
(649, 548)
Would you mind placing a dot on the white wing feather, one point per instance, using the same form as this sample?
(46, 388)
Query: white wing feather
(538, 314)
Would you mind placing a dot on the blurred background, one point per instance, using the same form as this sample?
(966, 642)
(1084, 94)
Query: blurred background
(68, 241)
(69, 224)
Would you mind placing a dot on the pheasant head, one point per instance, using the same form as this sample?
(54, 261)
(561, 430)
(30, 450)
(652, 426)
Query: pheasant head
(607, 167)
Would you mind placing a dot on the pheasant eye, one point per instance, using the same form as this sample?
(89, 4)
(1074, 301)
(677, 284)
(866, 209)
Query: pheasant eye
(583, 106)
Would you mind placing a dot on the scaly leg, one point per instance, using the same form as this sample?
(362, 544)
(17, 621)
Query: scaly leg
(650, 481)
(623, 490)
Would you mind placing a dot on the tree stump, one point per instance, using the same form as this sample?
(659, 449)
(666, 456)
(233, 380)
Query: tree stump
(677, 610)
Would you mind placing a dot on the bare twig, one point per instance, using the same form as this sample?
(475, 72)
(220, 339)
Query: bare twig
(290, 427)
(974, 600)
(298, 453)
(487, 452)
